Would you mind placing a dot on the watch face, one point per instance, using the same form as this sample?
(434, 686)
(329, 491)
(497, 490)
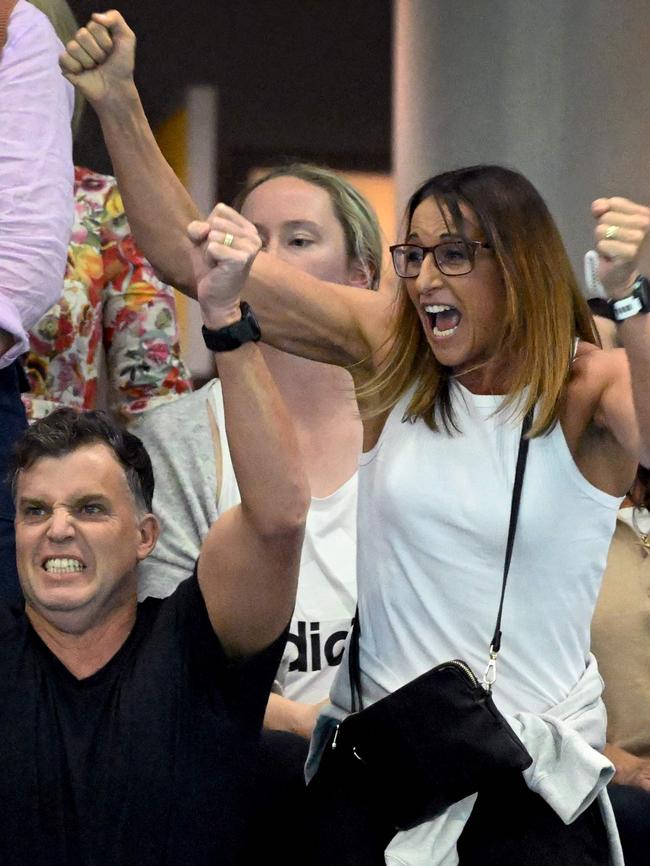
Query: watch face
(642, 291)
(249, 317)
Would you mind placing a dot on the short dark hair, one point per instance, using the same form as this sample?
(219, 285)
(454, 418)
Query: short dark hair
(65, 430)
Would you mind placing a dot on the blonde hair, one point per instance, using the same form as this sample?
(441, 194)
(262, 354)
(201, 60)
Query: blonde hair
(545, 310)
(65, 25)
(355, 215)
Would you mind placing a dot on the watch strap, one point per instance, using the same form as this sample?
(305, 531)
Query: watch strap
(638, 301)
(230, 337)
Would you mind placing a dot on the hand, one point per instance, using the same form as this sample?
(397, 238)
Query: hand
(221, 268)
(636, 774)
(310, 713)
(283, 714)
(621, 231)
(101, 57)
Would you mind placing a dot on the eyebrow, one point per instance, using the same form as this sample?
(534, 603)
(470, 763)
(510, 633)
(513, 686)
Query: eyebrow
(443, 236)
(29, 500)
(293, 224)
(75, 503)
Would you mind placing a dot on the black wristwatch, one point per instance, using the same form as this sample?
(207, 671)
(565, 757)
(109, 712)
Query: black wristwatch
(230, 337)
(638, 301)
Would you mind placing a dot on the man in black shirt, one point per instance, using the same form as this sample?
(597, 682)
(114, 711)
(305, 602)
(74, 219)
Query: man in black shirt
(127, 731)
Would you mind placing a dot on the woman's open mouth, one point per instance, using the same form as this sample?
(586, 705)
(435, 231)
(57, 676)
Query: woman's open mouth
(443, 318)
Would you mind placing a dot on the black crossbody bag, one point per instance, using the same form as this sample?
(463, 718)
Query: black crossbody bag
(440, 737)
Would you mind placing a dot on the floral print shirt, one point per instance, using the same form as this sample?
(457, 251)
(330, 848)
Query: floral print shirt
(113, 312)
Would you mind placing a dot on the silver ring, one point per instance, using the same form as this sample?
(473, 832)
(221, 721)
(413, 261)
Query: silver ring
(612, 232)
(228, 239)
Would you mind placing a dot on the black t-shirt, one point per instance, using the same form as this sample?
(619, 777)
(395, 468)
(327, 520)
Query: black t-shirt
(146, 762)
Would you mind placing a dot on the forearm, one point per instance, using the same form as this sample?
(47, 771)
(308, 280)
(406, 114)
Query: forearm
(300, 314)
(635, 336)
(263, 445)
(248, 569)
(283, 714)
(624, 762)
(157, 204)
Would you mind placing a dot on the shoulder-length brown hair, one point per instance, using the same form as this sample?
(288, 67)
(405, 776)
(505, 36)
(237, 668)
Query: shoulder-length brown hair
(545, 310)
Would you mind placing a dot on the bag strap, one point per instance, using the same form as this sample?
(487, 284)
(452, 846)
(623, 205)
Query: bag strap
(354, 668)
(495, 644)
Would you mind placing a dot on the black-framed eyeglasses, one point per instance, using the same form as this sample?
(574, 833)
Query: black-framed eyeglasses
(452, 258)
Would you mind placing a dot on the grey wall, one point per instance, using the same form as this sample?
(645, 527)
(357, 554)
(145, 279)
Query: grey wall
(559, 89)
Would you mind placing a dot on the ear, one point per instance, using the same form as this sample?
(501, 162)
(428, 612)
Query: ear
(358, 276)
(149, 530)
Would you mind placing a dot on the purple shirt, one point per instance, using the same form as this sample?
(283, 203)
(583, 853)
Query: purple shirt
(36, 174)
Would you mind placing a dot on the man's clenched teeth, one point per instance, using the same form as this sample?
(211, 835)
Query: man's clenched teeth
(444, 319)
(63, 565)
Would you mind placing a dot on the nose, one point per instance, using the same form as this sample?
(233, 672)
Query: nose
(272, 247)
(60, 526)
(429, 276)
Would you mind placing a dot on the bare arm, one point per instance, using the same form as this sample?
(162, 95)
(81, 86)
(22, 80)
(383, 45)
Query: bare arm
(283, 714)
(630, 769)
(624, 407)
(301, 314)
(248, 567)
(99, 62)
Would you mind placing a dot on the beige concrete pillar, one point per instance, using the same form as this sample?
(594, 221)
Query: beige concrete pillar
(559, 89)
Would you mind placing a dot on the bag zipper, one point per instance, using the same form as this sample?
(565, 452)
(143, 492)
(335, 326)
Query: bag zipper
(459, 663)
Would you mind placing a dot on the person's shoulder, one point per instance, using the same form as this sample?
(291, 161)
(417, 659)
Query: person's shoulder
(593, 374)
(595, 368)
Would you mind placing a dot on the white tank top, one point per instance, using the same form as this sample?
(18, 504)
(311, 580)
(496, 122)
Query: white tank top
(433, 520)
(327, 590)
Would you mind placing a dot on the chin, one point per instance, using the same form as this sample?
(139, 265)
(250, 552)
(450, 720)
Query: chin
(58, 598)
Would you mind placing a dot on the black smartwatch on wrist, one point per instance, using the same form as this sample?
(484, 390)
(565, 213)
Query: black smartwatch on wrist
(230, 337)
(638, 301)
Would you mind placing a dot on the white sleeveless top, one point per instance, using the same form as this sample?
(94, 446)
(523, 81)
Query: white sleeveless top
(327, 590)
(326, 597)
(433, 521)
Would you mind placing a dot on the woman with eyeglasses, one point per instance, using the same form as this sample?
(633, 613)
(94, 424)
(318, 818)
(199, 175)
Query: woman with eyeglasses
(488, 325)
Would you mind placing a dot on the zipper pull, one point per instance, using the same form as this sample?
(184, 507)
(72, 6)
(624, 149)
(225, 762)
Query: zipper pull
(490, 675)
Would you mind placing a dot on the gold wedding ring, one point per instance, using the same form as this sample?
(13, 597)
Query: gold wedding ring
(228, 239)
(612, 232)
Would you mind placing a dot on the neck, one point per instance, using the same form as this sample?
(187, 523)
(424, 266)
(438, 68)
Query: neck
(85, 652)
(488, 377)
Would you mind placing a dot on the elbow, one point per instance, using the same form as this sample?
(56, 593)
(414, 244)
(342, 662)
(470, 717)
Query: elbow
(284, 517)
(290, 517)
